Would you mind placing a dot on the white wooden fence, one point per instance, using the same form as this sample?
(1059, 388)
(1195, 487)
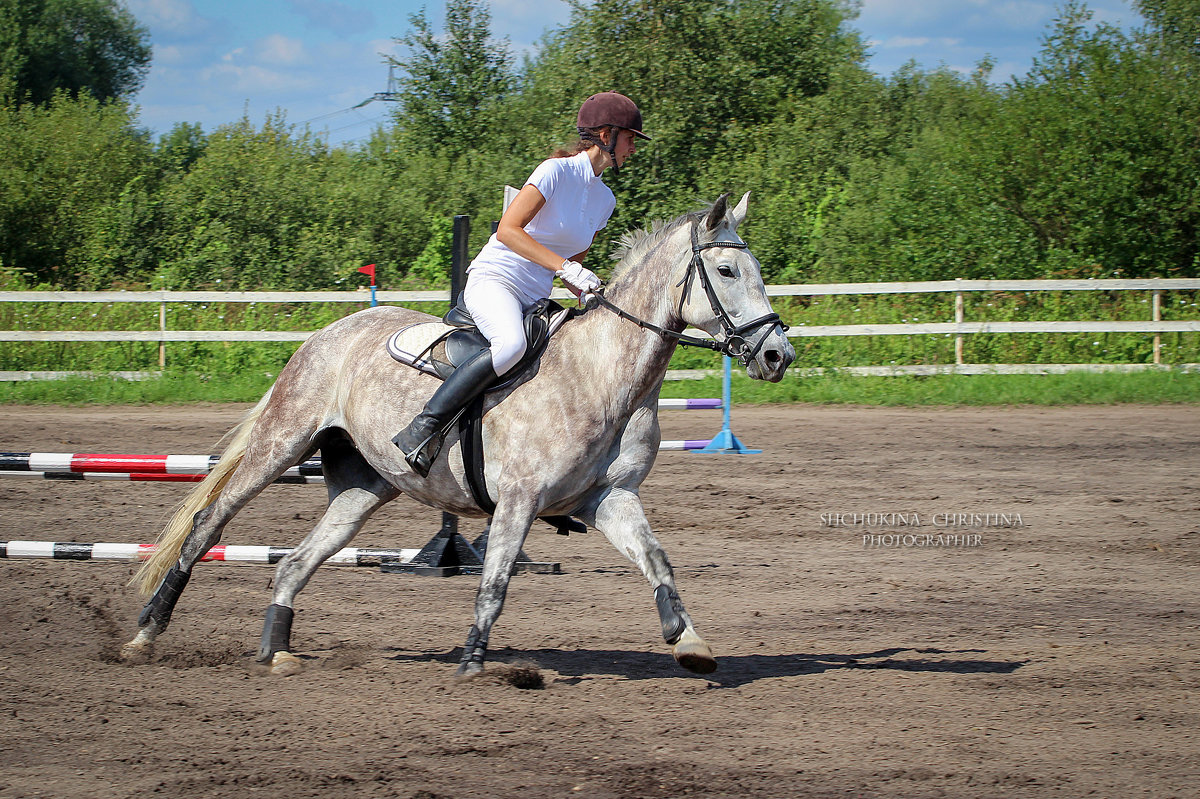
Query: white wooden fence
(959, 328)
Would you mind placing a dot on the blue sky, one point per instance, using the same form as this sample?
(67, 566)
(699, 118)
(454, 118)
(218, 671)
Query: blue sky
(215, 60)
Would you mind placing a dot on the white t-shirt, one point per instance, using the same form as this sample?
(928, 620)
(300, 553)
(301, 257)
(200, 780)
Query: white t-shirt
(577, 205)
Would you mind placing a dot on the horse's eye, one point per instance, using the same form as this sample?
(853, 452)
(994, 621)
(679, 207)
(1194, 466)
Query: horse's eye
(725, 271)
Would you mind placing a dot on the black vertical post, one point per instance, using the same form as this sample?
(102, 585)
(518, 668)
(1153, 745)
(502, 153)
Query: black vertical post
(458, 256)
(458, 281)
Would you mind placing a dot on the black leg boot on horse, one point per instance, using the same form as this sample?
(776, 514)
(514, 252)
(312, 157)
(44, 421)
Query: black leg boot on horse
(422, 439)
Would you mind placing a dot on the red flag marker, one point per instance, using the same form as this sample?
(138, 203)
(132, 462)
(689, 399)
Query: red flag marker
(368, 270)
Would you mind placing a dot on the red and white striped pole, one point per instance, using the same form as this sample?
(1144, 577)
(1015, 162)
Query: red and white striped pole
(175, 468)
(222, 553)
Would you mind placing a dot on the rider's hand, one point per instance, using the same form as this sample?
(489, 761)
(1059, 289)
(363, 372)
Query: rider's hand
(578, 276)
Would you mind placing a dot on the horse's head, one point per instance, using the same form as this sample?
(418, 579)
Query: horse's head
(722, 293)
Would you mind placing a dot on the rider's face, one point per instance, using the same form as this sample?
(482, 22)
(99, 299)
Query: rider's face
(626, 146)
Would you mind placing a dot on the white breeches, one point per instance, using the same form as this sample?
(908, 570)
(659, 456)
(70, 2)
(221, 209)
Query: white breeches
(498, 311)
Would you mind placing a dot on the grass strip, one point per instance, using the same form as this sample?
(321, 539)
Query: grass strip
(1075, 388)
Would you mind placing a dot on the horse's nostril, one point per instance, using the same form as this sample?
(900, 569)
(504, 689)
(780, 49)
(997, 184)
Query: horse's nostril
(774, 356)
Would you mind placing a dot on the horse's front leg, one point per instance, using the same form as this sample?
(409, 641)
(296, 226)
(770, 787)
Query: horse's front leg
(507, 534)
(622, 519)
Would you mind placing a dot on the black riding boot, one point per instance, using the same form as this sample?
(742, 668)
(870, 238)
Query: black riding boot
(422, 439)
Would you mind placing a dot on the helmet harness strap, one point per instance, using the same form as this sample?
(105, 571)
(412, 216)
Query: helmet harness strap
(592, 136)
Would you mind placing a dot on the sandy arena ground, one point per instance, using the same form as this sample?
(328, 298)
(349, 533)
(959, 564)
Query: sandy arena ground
(1055, 657)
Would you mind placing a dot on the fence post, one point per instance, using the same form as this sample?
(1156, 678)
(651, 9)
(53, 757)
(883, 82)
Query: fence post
(1156, 315)
(958, 319)
(162, 328)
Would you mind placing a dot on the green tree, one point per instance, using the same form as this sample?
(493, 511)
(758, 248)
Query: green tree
(1176, 21)
(453, 83)
(256, 211)
(705, 74)
(73, 192)
(93, 47)
(1095, 153)
(1086, 166)
(180, 147)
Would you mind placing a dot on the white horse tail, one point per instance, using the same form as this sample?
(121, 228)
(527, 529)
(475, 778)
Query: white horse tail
(171, 539)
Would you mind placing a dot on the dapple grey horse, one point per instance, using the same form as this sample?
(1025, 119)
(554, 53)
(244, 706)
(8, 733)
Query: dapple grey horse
(575, 436)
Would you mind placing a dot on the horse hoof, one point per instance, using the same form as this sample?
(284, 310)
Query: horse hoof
(468, 670)
(135, 653)
(285, 664)
(694, 655)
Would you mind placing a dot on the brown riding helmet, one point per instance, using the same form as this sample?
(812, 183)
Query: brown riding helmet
(610, 108)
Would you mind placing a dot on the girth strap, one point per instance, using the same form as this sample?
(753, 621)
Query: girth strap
(470, 435)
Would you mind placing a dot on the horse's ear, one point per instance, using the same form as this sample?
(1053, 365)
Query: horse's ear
(717, 215)
(738, 215)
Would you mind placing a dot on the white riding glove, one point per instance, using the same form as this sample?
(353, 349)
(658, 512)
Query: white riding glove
(578, 276)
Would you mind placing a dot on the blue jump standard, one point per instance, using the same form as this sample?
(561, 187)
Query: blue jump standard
(725, 442)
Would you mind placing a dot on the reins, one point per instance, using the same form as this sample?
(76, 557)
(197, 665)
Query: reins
(734, 343)
(690, 341)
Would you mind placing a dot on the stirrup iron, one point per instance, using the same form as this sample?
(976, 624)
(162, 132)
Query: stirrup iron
(423, 455)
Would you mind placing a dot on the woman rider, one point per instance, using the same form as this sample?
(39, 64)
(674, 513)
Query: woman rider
(544, 233)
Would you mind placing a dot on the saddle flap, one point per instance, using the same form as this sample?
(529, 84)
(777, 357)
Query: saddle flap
(464, 343)
(470, 430)
(415, 345)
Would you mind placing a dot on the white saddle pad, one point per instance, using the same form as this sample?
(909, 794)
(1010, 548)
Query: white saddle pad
(410, 345)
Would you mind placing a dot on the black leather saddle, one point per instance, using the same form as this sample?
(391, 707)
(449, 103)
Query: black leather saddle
(465, 341)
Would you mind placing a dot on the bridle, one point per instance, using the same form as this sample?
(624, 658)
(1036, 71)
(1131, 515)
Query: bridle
(734, 342)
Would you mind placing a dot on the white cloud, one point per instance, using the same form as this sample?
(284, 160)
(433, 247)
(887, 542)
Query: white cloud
(1018, 15)
(173, 15)
(282, 50)
(167, 54)
(380, 48)
(911, 42)
(955, 14)
(253, 80)
(176, 19)
(333, 15)
(907, 41)
(524, 22)
(904, 12)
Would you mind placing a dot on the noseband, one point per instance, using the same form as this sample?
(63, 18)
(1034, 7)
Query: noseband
(734, 342)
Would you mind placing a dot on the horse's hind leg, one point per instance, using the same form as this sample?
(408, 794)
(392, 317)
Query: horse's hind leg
(622, 519)
(207, 526)
(355, 492)
(262, 463)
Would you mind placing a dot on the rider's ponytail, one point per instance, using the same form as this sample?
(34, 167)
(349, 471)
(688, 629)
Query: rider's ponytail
(579, 146)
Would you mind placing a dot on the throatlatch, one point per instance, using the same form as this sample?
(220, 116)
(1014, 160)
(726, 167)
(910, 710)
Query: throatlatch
(734, 344)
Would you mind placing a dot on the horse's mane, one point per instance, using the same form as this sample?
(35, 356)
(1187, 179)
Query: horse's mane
(636, 244)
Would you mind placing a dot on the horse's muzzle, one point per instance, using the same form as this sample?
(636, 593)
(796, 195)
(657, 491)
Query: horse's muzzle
(771, 361)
